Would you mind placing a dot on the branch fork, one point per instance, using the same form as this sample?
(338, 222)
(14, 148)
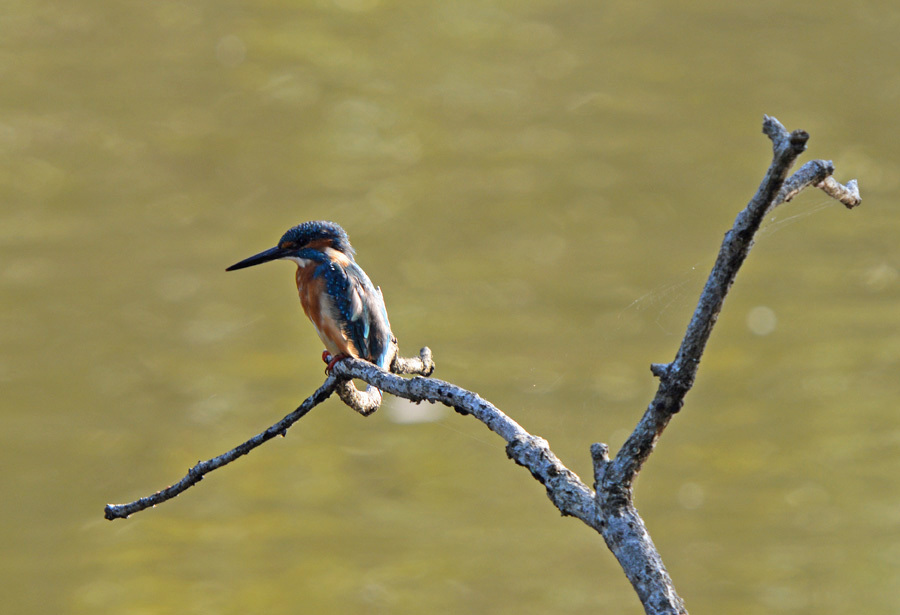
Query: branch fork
(607, 507)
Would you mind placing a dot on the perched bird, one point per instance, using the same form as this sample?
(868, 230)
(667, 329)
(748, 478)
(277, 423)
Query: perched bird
(345, 308)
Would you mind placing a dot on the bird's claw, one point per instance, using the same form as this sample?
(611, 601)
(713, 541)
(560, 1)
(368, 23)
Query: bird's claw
(332, 360)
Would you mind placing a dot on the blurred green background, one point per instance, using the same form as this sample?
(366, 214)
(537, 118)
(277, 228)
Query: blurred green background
(539, 187)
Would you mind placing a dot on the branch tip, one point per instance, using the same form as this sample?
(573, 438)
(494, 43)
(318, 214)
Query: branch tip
(422, 365)
(799, 139)
(600, 458)
(771, 126)
(782, 139)
(848, 195)
(774, 129)
(599, 454)
(660, 370)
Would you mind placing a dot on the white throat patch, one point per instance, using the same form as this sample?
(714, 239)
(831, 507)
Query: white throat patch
(302, 262)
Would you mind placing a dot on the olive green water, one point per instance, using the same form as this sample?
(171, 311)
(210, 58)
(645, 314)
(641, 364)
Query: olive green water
(539, 188)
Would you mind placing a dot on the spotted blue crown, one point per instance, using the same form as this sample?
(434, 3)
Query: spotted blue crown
(307, 232)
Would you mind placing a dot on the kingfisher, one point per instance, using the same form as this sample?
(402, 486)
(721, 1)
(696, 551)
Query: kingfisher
(344, 306)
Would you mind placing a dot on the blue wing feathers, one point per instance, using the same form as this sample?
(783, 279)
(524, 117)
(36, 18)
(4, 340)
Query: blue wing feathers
(361, 311)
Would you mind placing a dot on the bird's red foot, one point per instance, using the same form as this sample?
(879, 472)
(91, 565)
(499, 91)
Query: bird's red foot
(331, 360)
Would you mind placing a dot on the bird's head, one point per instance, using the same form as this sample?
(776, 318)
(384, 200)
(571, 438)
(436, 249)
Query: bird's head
(310, 241)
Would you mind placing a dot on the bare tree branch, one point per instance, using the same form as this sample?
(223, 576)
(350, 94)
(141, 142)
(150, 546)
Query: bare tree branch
(196, 473)
(810, 174)
(358, 400)
(818, 173)
(677, 378)
(608, 507)
(565, 489)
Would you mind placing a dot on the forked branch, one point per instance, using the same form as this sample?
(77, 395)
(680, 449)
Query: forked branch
(608, 507)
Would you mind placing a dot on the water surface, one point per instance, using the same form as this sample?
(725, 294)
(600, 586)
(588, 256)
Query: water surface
(539, 188)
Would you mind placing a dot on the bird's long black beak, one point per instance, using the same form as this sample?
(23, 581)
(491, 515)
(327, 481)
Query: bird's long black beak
(263, 257)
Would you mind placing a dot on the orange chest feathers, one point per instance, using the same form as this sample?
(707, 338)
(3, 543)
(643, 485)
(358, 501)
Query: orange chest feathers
(318, 307)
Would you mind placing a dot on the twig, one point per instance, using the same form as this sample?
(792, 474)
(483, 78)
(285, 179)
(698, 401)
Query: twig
(818, 173)
(810, 174)
(195, 474)
(363, 402)
(677, 378)
(848, 195)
